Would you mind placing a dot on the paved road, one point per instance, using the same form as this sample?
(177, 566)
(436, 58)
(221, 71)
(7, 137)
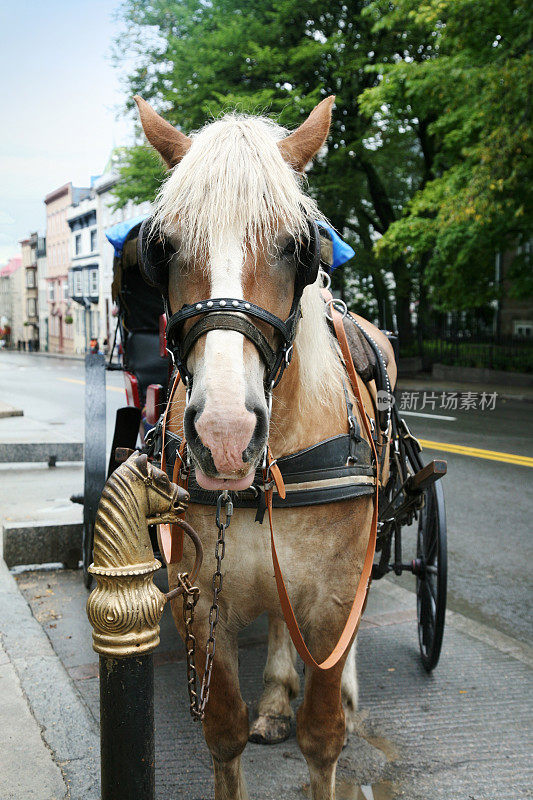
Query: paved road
(51, 390)
(489, 503)
(489, 512)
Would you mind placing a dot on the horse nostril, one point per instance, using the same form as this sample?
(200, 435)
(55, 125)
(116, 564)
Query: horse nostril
(189, 420)
(259, 434)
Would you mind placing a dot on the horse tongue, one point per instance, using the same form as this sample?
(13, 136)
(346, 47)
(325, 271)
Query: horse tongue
(217, 484)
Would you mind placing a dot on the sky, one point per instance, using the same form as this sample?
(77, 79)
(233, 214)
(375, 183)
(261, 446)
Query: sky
(61, 105)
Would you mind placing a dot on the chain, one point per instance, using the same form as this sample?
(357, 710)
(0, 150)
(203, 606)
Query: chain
(190, 598)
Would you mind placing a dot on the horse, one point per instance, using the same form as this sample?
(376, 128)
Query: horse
(234, 210)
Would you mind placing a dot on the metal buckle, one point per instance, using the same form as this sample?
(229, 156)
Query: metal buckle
(336, 302)
(288, 355)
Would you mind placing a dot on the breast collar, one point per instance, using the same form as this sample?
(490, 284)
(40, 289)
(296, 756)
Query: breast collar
(337, 468)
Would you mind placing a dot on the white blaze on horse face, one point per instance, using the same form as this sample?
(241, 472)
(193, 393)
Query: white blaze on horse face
(225, 425)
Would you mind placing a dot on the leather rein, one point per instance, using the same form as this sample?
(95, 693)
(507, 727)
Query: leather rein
(170, 537)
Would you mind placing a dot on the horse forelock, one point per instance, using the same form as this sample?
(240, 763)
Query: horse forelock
(233, 193)
(232, 182)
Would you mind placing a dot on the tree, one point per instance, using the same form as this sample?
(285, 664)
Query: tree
(196, 60)
(470, 99)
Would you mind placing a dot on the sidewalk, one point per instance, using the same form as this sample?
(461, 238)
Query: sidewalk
(459, 733)
(45, 354)
(426, 383)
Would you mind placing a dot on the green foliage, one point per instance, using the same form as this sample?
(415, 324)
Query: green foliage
(197, 60)
(474, 88)
(141, 171)
(426, 165)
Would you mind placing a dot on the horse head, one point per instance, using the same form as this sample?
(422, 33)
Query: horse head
(136, 495)
(238, 221)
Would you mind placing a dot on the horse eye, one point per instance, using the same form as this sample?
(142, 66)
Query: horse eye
(290, 249)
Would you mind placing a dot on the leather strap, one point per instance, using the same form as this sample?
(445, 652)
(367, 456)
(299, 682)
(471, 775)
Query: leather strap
(354, 617)
(220, 321)
(170, 536)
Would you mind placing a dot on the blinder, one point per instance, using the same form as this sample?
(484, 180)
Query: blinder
(154, 255)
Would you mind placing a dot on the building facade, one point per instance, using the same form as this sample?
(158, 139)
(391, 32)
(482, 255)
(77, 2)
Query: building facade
(29, 294)
(60, 319)
(42, 293)
(84, 273)
(9, 279)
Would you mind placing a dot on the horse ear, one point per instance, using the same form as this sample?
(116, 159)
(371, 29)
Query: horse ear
(299, 147)
(170, 143)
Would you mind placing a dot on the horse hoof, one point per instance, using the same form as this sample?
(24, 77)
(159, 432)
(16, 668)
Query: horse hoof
(270, 730)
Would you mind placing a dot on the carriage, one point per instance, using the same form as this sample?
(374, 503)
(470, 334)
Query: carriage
(412, 495)
(138, 351)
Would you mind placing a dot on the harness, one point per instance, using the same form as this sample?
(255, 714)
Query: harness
(228, 313)
(341, 467)
(338, 468)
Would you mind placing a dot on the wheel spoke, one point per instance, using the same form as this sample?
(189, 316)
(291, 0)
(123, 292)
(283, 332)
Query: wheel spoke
(432, 590)
(432, 541)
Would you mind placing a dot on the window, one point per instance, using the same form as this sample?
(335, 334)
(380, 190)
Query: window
(93, 241)
(32, 307)
(523, 328)
(71, 283)
(64, 289)
(77, 244)
(30, 278)
(86, 282)
(93, 283)
(77, 283)
(51, 292)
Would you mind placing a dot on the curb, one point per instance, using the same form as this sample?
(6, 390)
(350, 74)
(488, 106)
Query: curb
(515, 648)
(42, 543)
(421, 384)
(67, 726)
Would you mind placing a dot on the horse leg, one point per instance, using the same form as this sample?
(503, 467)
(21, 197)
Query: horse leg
(226, 724)
(321, 728)
(226, 715)
(350, 689)
(281, 685)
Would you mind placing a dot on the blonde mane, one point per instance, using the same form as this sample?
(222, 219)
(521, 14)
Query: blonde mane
(234, 180)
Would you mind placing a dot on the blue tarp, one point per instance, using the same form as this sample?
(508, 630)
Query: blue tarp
(117, 235)
(342, 251)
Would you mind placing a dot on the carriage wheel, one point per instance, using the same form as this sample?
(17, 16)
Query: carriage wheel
(431, 575)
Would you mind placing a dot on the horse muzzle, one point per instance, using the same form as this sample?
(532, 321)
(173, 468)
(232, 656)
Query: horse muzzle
(225, 446)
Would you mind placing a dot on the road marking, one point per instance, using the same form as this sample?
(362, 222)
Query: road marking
(82, 383)
(476, 452)
(427, 416)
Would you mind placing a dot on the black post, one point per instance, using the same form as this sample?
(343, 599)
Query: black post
(127, 727)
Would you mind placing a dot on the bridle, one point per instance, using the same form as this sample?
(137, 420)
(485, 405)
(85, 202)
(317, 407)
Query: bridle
(228, 313)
